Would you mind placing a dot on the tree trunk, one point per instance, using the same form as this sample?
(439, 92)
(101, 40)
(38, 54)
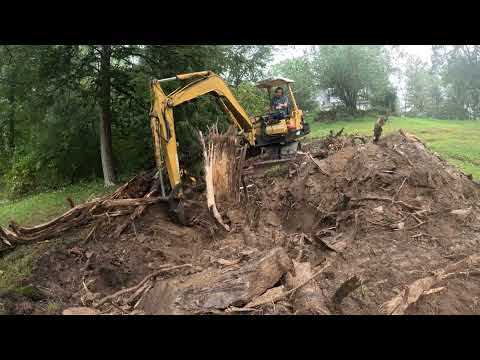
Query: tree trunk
(106, 151)
(11, 119)
(350, 102)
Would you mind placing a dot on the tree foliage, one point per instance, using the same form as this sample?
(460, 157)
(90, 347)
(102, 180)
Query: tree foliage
(255, 101)
(352, 72)
(449, 87)
(420, 87)
(53, 97)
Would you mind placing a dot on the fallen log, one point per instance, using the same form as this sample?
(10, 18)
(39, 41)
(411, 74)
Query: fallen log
(308, 298)
(270, 299)
(218, 289)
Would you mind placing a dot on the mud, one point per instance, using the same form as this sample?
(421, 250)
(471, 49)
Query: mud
(380, 212)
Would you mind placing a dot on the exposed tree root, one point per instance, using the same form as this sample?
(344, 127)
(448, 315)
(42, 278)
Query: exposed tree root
(118, 204)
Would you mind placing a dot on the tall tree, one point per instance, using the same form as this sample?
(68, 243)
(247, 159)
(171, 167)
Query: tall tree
(462, 74)
(104, 101)
(450, 88)
(418, 81)
(244, 62)
(9, 71)
(11, 115)
(351, 72)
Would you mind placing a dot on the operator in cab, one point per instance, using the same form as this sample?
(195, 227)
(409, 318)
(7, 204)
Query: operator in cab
(279, 104)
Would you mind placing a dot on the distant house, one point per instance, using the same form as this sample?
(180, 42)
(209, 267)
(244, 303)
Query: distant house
(363, 105)
(329, 102)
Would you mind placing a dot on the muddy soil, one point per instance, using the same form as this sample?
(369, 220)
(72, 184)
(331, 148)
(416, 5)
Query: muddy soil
(388, 213)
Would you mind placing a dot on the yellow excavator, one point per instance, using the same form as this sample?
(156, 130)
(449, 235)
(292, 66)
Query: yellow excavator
(259, 132)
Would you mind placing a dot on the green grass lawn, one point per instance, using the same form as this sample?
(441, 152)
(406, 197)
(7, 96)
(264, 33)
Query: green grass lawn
(32, 210)
(37, 208)
(457, 141)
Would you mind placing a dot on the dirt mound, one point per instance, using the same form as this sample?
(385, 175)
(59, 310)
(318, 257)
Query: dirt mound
(392, 212)
(360, 221)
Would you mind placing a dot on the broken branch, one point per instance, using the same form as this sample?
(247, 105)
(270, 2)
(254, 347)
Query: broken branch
(315, 162)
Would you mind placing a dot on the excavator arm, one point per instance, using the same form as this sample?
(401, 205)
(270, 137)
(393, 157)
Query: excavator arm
(162, 121)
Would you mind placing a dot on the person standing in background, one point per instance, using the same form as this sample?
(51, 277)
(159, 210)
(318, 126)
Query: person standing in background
(377, 130)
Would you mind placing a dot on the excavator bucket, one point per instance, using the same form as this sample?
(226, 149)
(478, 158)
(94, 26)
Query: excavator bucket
(176, 208)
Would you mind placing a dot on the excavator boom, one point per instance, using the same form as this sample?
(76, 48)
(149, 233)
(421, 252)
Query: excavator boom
(162, 122)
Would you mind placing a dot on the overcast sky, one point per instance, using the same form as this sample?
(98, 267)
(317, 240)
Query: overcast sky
(424, 52)
(283, 52)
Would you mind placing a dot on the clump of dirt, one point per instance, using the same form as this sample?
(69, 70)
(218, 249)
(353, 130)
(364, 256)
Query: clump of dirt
(384, 215)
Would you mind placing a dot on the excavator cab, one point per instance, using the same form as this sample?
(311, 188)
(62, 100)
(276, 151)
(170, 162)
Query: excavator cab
(284, 131)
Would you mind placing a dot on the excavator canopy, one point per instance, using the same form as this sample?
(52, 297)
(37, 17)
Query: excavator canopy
(273, 82)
